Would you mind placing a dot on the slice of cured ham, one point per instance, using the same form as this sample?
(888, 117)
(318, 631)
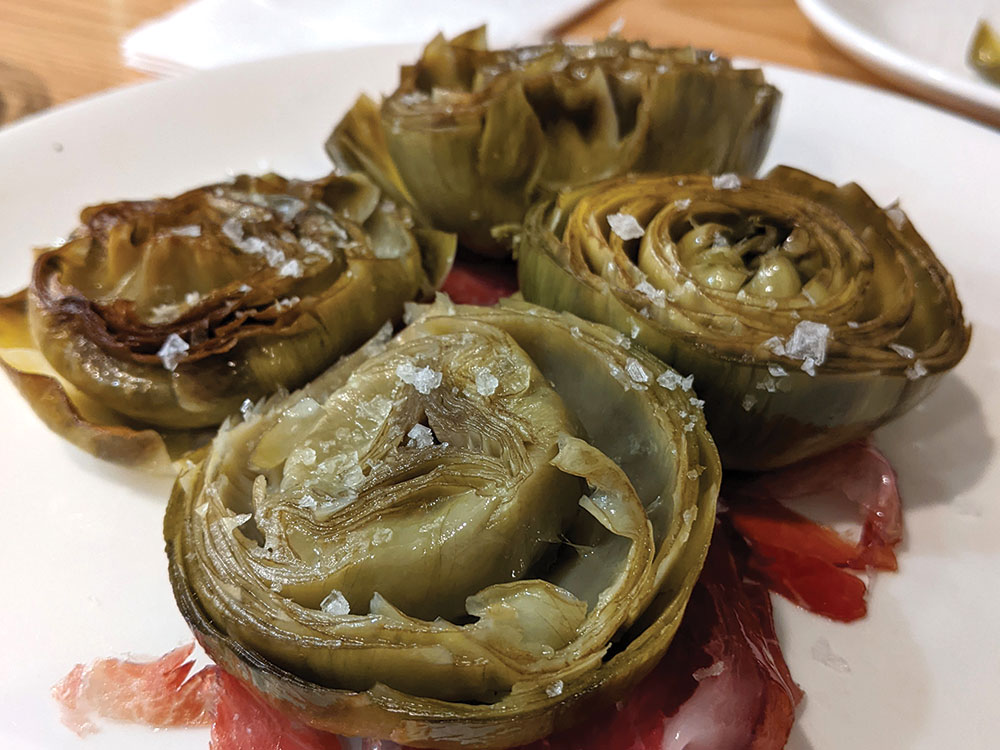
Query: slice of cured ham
(806, 561)
(161, 693)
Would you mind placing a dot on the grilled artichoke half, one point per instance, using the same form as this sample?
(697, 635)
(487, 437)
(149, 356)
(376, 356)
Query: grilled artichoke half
(167, 314)
(471, 136)
(466, 537)
(807, 314)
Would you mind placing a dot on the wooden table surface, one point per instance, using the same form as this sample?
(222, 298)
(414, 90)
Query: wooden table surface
(52, 51)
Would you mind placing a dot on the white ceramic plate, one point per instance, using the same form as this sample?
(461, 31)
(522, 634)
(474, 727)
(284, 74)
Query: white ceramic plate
(920, 44)
(82, 558)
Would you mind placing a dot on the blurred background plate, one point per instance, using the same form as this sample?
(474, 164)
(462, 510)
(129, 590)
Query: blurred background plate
(919, 44)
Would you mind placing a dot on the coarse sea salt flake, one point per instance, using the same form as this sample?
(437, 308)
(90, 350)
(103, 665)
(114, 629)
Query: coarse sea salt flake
(575, 332)
(291, 269)
(174, 349)
(808, 341)
(189, 230)
(713, 670)
(726, 181)
(895, 214)
(682, 203)
(486, 381)
(555, 689)
(635, 330)
(424, 379)
(916, 371)
(335, 603)
(657, 296)
(420, 436)
(749, 402)
(625, 226)
(636, 371)
(777, 371)
(903, 351)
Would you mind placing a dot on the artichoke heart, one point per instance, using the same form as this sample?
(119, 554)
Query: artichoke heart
(157, 319)
(471, 136)
(807, 314)
(468, 535)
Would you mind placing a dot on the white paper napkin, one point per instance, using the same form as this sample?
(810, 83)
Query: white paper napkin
(209, 33)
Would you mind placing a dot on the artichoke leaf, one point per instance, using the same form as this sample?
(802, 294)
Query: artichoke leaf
(441, 540)
(471, 136)
(807, 314)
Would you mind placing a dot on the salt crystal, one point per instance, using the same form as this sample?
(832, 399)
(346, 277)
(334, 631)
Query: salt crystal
(895, 214)
(244, 288)
(683, 203)
(615, 29)
(382, 536)
(575, 332)
(635, 330)
(669, 380)
(420, 436)
(809, 367)
(689, 426)
(657, 296)
(622, 340)
(696, 402)
(274, 256)
(916, 371)
(192, 298)
(292, 269)
(335, 603)
(767, 384)
(692, 474)
(749, 402)
(822, 653)
(853, 324)
(903, 351)
(636, 371)
(555, 689)
(248, 409)
(286, 303)
(174, 349)
(726, 181)
(808, 341)
(486, 382)
(713, 670)
(424, 379)
(312, 246)
(625, 226)
(189, 230)
(164, 313)
(777, 371)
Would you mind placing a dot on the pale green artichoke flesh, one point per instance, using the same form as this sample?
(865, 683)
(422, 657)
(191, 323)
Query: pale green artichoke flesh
(453, 537)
